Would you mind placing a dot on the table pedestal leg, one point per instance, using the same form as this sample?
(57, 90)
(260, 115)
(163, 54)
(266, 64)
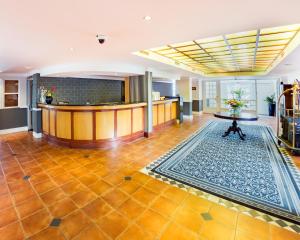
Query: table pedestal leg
(234, 128)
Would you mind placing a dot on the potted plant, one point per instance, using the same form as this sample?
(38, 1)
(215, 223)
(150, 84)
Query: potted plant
(50, 94)
(272, 104)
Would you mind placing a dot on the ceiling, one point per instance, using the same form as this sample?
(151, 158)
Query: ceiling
(56, 37)
(251, 53)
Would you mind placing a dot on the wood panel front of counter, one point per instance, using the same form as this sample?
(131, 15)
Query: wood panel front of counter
(163, 114)
(100, 126)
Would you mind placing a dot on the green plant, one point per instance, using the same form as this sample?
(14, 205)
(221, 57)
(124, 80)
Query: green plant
(51, 92)
(237, 94)
(270, 99)
(234, 103)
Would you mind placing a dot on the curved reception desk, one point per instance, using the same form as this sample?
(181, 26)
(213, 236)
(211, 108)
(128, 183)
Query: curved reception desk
(102, 126)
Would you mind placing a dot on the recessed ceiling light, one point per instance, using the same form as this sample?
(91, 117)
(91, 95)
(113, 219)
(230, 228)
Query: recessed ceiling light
(147, 18)
(71, 49)
(28, 67)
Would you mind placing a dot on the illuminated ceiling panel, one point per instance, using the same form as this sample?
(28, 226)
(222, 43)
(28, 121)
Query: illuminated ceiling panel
(254, 52)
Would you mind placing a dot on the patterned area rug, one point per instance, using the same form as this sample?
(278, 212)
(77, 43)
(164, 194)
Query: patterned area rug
(253, 172)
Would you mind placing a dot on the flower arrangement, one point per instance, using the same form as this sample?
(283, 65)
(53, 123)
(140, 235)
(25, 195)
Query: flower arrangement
(51, 92)
(235, 103)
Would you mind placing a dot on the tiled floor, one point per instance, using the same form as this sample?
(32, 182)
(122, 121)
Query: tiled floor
(86, 192)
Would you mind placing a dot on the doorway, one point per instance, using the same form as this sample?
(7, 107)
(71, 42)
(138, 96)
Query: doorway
(211, 93)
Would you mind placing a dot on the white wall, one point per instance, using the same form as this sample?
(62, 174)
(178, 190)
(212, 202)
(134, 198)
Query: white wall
(184, 88)
(22, 89)
(197, 94)
(290, 78)
(264, 89)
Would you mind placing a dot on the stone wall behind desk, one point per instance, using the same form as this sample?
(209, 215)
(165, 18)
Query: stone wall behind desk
(81, 90)
(165, 89)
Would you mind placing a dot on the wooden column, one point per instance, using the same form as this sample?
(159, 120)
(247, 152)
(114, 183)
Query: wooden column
(127, 91)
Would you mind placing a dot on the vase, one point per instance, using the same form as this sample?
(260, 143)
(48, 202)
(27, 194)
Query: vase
(272, 107)
(234, 111)
(49, 99)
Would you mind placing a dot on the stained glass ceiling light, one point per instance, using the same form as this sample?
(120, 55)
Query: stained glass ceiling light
(248, 53)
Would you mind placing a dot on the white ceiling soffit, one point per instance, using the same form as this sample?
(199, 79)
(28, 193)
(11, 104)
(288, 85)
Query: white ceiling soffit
(59, 36)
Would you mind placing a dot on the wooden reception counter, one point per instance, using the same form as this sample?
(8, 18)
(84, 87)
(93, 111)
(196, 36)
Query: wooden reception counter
(102, 126)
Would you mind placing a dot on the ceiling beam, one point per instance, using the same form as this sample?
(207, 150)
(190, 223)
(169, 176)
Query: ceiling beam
(174, 48)
(212, 57)
(256, 46)
(230, 50)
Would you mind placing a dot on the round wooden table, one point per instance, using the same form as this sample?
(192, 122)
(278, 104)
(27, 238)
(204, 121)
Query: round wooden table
(239, 117)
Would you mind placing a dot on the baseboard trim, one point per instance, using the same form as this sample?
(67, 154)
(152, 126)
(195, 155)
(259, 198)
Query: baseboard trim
(13, 130)
(148, 134)
(188, 117)
(37, 135)
(197, 113)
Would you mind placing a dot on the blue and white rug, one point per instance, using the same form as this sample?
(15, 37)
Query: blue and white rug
(253, 172)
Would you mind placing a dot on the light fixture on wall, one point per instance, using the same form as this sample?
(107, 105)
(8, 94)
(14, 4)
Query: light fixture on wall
(71, 49)
(28, 67)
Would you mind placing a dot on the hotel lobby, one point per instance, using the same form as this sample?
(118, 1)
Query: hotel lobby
(149, 120)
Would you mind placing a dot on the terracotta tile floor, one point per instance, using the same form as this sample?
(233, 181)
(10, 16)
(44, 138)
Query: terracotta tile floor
(86, 189)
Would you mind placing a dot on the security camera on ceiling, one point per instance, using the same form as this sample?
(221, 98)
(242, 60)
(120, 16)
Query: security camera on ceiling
(101, 38)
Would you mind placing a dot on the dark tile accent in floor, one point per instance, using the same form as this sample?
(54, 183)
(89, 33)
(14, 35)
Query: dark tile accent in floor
(127, 178)
(55, 222)
(206, 216)
(26, 177)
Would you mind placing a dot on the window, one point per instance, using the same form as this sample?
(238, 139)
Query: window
(247, 86)
(11, 93)
(211, 94)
